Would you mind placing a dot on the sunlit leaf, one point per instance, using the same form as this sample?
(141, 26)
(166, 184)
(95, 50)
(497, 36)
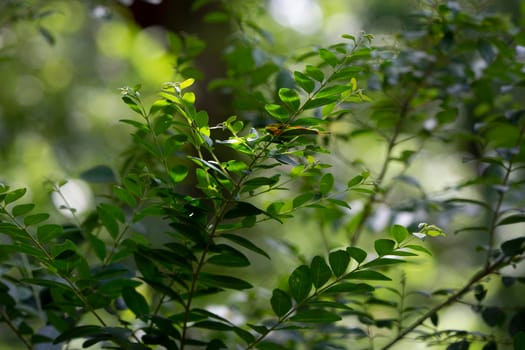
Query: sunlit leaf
(290, 98)
(304, 82)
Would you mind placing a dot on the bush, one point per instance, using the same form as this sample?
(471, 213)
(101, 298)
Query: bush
(182, 222)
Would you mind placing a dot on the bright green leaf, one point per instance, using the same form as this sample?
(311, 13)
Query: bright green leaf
(304, 82)
(290, 98)
(277, 111)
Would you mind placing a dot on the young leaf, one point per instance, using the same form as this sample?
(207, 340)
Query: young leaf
(135, 301)
(339, 261)
(400, 233)
(281, 302)
(300, 282)
(320, 271)
(316, 316)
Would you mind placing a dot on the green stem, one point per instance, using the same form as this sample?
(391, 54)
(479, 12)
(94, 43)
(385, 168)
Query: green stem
(12, 326)
(478, 276)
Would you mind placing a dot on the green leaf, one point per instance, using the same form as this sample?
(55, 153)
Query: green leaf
(12, 196)
(419, 248)
(334, 91)
(106, 213)
(514, 246)
(22, 209)
(222, 281)
(135, 301)
(229, 257)
(178, 173)
(277, 111)
(326, 184)
(384, 246)
(339, 261)
(124, 195)
(242, 209)
(367, 275)
(213, 325)
(300, 282)
(318, 102)
(512, 219)
(329, 57)
(348, 287)
(290, 98)
(320, 271)
(245, 243)
(316, 316)
(35, 219)
(281, 302)
(400, 233)
(257, 182)
(47, 233)
(99, 174)
(315, 73)
(357, 254)
(304, 82)
(383, 262)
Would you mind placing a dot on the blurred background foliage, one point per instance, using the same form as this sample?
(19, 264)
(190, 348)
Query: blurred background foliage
(63, 61)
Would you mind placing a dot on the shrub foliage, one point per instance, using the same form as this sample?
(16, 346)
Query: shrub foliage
(453, 80)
